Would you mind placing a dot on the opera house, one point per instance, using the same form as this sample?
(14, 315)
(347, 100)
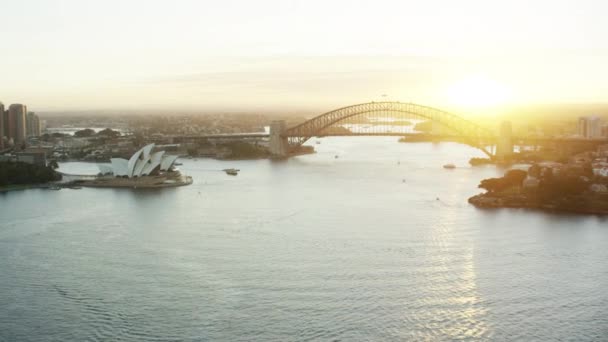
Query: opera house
(143, 170)
(142, 163)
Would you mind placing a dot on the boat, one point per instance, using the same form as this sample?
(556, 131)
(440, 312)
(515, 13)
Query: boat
(449, 166)
(231, 172)
(54, 187)
(177, 164)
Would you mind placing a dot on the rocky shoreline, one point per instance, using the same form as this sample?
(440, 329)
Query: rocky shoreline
(575, 205)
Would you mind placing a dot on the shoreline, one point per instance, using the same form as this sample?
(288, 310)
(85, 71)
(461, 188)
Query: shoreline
(487, 201)
(18, 187)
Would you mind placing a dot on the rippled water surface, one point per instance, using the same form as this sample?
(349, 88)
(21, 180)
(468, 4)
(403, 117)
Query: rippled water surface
(377, 244)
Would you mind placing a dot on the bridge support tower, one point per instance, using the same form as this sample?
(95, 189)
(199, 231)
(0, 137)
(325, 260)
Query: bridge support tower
(437, 129)
(504, 146)
(279, 146)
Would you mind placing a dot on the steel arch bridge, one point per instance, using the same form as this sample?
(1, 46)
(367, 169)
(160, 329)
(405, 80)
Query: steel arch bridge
(373, 114)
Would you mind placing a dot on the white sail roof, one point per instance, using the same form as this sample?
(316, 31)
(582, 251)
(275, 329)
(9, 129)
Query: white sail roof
(120, 166)
(132, 162)
(142, 163)
(167, 162)
(139, 166)
(154, 162)
(147, 149)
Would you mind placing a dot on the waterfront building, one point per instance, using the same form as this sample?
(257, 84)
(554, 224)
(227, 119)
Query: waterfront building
(17, 122)
(142, 163)
(589, 127)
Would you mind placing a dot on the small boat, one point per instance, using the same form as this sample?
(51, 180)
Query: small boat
(336, 156)
(231, 172)
(318, 142)
(449, 166)
(177, 164)
(54, 187)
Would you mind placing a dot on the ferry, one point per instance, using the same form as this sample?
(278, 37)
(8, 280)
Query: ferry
(231, 172)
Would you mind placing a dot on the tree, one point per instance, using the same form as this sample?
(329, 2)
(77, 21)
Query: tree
(534, 170)
(23, 173)
(108, 133)
(492, 184)
(84, 133)
(515, 177)
(511, 178)
(53, 164)
(562, 186)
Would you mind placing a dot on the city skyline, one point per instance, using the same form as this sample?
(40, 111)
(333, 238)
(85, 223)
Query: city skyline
(471, 55)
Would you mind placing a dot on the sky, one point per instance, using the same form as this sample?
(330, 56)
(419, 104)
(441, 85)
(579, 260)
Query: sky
(286, 55)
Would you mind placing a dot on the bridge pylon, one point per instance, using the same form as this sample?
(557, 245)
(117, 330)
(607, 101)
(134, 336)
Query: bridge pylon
(504, 146)
(437, 128)
(279, 146)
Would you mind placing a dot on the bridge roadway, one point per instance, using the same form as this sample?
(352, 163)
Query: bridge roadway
(227, 135)
(231, 136)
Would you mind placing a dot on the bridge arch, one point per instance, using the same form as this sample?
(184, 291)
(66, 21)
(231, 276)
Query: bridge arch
(473, 134)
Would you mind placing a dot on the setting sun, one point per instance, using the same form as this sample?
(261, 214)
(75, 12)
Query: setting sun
(477, 92)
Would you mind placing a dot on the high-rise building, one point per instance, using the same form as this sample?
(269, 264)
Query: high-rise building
(29, 124)
(33, 125)
(17, 123)
(589, 127)
(5, 122)
(1, 126)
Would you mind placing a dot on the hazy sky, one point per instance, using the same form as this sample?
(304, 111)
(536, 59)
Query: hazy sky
(274, 54)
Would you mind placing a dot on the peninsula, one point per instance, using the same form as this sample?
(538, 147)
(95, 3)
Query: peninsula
(579, 186)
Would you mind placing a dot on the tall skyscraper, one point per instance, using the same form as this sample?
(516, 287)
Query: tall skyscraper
(33, 125)
(1, 126)
(5, 122)
(17, 123)
(589, 127)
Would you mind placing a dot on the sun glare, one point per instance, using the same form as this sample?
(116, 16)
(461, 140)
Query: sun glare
(478, 92)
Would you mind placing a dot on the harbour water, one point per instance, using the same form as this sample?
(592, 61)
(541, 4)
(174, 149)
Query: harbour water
(377, 244)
